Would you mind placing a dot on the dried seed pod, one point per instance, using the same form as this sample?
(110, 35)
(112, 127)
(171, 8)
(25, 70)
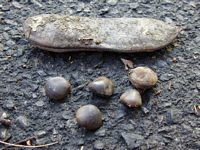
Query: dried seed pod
(59, 33)
(131, 98)
(57, 88)
(89, 117)
(143, 77)
(102, 86)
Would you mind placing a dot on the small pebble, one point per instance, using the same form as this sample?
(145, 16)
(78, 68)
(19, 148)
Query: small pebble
(145, 110)
(81, 142)
(40, 133)
(41, 141)
(57, 88)
(102, 86)
(198, 85)
(23, 121)
(89, 117)
(112, 2)
(133, 140)
(17, 5)
(100, 132)
(65, 115)
(10, 104)
(4, 134)
(98, 145)
(39, 103)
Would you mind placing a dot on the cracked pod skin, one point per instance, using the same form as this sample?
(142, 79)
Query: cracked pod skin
(61, 33)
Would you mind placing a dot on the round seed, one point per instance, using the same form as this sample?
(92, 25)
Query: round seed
(57, 88)
(143, 77)
(102, 86)
(89, 117)
(131, 98)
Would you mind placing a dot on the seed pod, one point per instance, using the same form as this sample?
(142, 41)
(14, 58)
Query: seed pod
(59, 33)
(89, 117)
(131, 98)
(57, 88)
(143, 77)
(102, 86)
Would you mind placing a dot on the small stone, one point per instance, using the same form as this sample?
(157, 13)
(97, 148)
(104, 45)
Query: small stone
(65, 115)
(112, 2)
(40, 141)
(37, 3)
(23, 121)
(167, 104)
(34, 95)
(1, 47)
(56, 136)
(166, 77)
(5, 8)
(168, 20)
(41, 73)
(198, 85)
(10, 43)
(161, 63)
(81, 142)
(134, 5)
(173, 116)
(10, 104)
(145, 110)
(98, 145)
(39, 103)
(40, 133)
(193, 4)
(100, 132)
(3, 115)
(133, 140)
(17, 5)
(196, 145)
(4, 133)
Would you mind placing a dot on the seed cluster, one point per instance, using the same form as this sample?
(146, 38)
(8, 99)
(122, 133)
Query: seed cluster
(89, 116)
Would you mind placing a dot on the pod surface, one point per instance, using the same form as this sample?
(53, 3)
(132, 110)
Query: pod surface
(61, 33)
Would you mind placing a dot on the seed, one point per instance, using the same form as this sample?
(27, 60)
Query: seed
(57, 88)
(143, 77)
(89, 117)
(131, 98)
(102, 86)
(60, 33)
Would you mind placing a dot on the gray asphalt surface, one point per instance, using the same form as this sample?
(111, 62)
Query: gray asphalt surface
(169, 117)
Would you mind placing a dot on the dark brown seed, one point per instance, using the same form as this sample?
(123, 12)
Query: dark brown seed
(131, 98)
(143, 77)
(61, 33)
(57, 88)
(102, 86)
(89, 117)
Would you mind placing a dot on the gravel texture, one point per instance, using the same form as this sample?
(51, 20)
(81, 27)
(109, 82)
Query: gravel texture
(169, 117)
